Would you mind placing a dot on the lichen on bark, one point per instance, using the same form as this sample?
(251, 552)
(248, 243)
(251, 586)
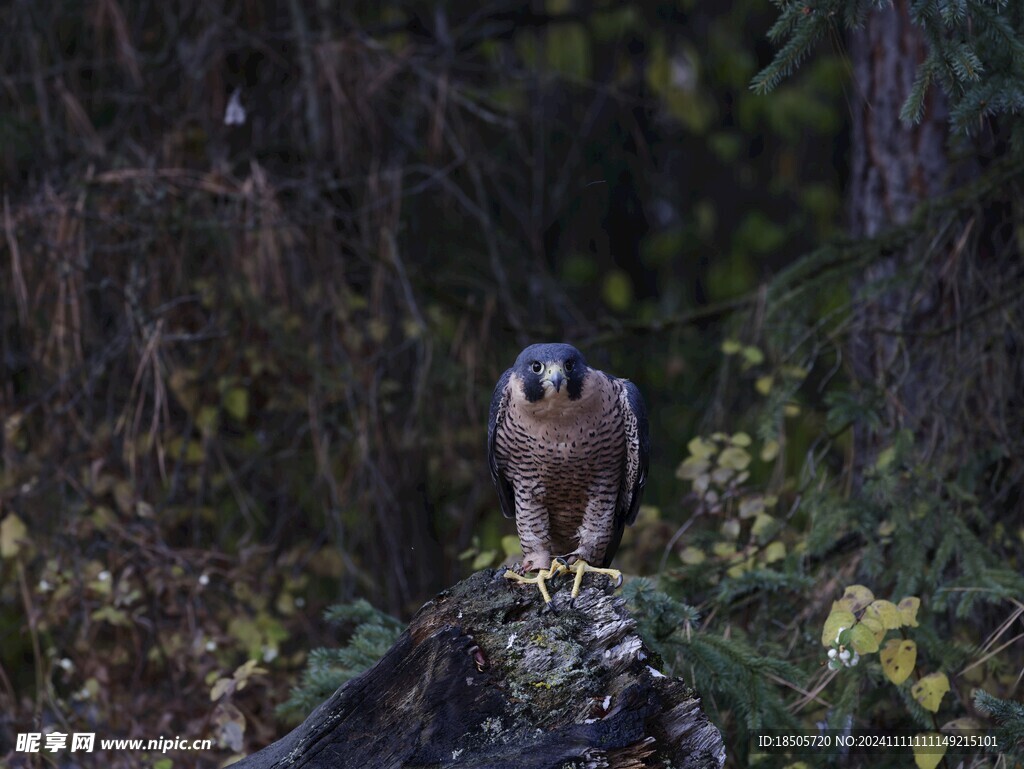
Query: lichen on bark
(483, 677)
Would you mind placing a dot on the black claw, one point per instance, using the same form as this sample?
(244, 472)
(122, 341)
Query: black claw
(478, 658)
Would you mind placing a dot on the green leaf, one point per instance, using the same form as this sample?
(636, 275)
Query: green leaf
(568, 51)
(885, 458)
(838, 619)
(207, 419)
(617, 290)
(236, 403)
(862, 639)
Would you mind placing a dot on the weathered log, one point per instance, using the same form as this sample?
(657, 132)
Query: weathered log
(483, 678)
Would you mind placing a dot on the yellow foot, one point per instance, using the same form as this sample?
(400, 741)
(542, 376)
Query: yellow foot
(543, 575)
(580, 567)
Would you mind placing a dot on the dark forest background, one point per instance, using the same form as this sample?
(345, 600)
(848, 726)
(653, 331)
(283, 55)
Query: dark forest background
(262, 262)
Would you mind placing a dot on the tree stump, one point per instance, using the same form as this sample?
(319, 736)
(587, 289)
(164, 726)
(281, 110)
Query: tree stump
(483, 678)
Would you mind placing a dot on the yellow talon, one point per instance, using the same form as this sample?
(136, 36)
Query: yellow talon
(581, 567)
(540, 580)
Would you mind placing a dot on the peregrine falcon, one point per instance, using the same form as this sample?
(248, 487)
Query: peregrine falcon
(568, 449)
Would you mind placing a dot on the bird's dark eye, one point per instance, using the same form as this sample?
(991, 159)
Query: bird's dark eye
(568, 365)
(537, 368)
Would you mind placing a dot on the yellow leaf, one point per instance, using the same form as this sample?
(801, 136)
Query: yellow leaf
(791, 410)
(763, 384)
(229, 726)
(885, 458)
(734, 457)
(930, 690)
(928, 751)
(111, 615)
(510, 546)
(377, 330)
(740, 439)
(692, 556)
(770, 450)
(775, 551)
(764, 527)
(731, 347)
(723, 549)
(838, 620)
(700, 448)
(731, 528)
(737, 571)
(483, 560)
(872, 623)
(12, 534)
(752, 355)
(751, 506)
(207, 420)
(220, 688)
(794, 372)
(692, 467)
(886, 613)
(908, 610)
(898, 659)
(962, 724)
(721, 475)
(857, 597)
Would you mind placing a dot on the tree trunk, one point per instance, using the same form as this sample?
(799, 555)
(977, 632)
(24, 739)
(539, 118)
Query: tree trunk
(894, 167)
(483, 678)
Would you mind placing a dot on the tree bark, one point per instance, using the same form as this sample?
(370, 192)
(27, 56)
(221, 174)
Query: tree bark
(894, 167)
(484, 678)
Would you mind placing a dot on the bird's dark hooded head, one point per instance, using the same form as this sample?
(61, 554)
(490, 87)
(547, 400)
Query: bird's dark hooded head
(551, 370)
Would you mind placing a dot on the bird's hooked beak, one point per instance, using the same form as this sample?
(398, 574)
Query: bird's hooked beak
(554, 376)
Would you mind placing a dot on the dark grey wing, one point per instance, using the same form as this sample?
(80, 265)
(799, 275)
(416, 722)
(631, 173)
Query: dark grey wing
(495, 422)
(638, 449)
